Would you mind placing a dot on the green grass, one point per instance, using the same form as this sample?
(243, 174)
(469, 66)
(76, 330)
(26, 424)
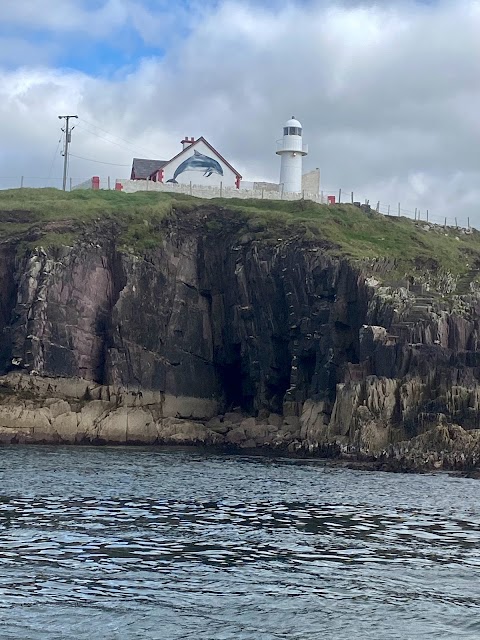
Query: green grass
(366, 236)
(139, 214)
(343, 229)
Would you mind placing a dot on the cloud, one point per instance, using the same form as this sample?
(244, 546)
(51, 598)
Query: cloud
(387, 94)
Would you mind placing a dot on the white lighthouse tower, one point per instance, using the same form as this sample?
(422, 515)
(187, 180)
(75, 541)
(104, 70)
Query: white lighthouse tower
(291, 149)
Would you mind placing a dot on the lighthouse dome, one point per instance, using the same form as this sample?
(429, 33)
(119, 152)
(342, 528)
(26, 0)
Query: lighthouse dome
(293, 122)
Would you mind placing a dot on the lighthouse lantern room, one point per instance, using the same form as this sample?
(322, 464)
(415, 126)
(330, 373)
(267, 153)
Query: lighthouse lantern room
(291, 150)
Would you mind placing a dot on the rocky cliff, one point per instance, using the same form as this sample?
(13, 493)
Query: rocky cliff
(223, 335)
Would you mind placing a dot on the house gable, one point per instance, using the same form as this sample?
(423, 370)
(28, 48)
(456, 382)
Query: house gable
(198, 163)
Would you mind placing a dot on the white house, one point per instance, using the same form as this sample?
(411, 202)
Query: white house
(198, 163)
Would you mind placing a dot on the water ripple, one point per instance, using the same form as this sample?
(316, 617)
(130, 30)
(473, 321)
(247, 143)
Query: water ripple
(130, 543)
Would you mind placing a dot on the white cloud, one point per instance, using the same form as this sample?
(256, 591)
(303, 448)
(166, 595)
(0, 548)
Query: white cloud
(387, 93)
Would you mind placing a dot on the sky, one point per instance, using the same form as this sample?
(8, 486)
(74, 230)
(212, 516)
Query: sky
(388, 92)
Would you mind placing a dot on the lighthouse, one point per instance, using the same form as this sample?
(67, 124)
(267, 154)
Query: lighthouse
(291, 150)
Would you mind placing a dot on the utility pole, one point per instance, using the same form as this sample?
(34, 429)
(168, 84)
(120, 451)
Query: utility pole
(68, 139)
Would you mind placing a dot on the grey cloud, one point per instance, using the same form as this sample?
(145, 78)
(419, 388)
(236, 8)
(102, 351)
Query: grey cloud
(387, 94)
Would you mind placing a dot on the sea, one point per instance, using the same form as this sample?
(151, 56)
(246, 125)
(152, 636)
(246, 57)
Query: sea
(172, 544)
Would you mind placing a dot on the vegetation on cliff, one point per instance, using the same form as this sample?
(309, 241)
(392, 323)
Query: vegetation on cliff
(51, 218)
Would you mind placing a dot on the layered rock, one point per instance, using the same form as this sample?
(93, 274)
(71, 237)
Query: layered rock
(216, 319)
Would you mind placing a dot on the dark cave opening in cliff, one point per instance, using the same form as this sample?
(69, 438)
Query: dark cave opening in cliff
(278, 380)
(236, 388)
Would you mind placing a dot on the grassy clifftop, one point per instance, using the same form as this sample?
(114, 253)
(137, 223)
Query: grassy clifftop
(51, 217)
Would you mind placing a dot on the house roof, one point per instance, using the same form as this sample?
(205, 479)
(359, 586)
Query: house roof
(143, 168)
(201, 139)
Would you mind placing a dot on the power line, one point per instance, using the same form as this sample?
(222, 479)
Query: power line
(132, 144)
(54, 157)
(114, 164)
(133, 148)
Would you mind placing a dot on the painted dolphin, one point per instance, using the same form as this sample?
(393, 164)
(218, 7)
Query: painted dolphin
(197, 162)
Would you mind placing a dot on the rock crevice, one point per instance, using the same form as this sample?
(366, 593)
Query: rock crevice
(216, 320)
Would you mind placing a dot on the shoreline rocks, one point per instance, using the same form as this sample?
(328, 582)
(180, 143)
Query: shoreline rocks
(83, 413)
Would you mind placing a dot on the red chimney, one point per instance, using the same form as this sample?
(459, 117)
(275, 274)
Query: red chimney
(186, 142)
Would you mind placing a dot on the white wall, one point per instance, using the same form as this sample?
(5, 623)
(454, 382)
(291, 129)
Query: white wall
(197, 177)
(311, 181)
(200, 191)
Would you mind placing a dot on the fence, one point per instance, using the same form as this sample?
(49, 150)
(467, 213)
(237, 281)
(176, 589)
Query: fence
(325, 196)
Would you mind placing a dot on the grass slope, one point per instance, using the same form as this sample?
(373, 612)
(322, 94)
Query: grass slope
(354, 233)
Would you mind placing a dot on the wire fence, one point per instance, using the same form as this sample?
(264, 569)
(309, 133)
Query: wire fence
(337, 196)
(419, 214)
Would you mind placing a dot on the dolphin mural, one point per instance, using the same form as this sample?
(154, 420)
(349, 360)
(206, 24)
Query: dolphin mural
(197, 162)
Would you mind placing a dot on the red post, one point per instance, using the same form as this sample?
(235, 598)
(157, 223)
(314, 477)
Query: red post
(95, 183)
(118, 186)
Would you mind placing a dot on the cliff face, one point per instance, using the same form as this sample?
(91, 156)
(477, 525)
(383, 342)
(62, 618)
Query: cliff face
(214, 319)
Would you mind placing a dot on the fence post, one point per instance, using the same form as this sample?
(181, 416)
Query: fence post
(415, 213)
(352, 197)
(445, 225)
(108, 180)
(468, 222)
(339, 196)
(21, 182)
(221, 188)
(456, 225)
(190, 187)
(388, 212)
(427, 215)
(399, 209)
(321, 197)
(378, 206)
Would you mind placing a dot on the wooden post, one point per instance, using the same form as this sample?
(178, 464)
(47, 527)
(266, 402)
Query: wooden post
(388, 211)
(445, 225)
(339, 196)
(468, 222)
(378, 206)
(427, 215)
(456, 225)
(21, 182)
(108, 181)
(352, 197)
(399, 209)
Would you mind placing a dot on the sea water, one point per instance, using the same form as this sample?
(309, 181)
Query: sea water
(124, 543)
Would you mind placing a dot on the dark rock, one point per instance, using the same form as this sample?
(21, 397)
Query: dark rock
(214, 320)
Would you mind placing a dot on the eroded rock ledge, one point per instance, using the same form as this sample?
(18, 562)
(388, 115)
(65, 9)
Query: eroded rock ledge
(219, 338)
(36, 410)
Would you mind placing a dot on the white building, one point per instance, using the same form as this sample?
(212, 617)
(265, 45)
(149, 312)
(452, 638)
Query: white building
(291, 150)
(198, 163)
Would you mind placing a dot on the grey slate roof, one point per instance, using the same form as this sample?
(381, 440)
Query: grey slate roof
(142, 168)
